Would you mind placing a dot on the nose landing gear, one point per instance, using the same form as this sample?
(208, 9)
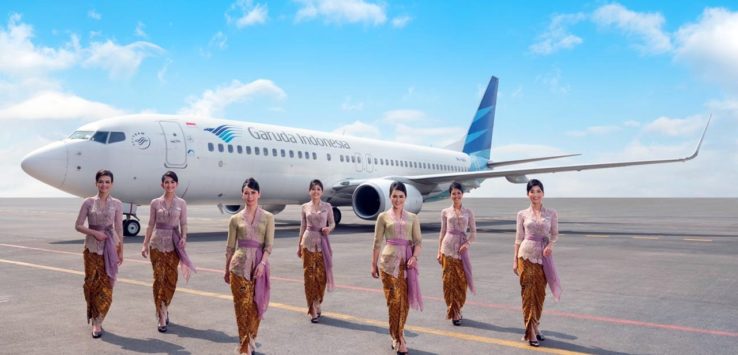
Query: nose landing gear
(131, 225)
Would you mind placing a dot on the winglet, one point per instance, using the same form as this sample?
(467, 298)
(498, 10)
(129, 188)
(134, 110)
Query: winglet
(697, 150)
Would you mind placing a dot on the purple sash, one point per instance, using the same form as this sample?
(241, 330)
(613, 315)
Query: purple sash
(413, 286)
(109, 253)
(261, 287)
(465, 260)
(184, 260)
(327, 257)
(549, 270)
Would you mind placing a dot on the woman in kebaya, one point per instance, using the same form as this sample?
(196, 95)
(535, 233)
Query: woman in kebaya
(250, 240)
(537, 232)
(453, 253)
(103, 250)
(315, 249)
(166, 238)
(397, 245)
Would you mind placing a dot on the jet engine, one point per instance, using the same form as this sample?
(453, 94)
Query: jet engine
(372, 197)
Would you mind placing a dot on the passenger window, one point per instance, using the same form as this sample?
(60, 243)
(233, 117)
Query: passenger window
(220, 147)
(274, 152)
(341, 158)
(328, 156)
(299, 154)
(100, 137)
(292, 154)
(211, 147)
(353, 159)
(358, 160)
(315, 156)
(307, 155)
(283, 153)
(230, 148)
(256, 151)
(116, 137)
(239, 149)
(248, 150)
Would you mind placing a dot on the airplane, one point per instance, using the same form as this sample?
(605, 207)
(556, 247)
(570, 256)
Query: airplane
(213, 157)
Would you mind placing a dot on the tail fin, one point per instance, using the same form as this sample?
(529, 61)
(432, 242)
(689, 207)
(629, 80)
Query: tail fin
(478, 139)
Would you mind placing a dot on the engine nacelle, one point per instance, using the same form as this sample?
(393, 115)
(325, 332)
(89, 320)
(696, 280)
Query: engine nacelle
(274, 209)
(231, 209)
(372, 197)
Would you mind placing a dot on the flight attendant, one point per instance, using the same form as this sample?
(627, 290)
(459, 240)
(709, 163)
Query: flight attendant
(453, 253)
(166, 239)
(536, 235)
(103, 250)
(397, 239)
(250, 240)
(315, 249)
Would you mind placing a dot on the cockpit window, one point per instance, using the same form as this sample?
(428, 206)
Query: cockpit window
(116, 137)
(81, 135)
(100, 136)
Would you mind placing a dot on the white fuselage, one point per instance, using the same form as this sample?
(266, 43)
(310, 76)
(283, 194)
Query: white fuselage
(212, 164)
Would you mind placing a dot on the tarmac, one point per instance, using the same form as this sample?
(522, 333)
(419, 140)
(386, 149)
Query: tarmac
(640, 276)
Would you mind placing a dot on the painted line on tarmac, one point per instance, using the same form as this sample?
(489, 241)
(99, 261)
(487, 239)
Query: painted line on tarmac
(468, 302)
(301, 310)
(597, 236)
(697, 239)
(649, 238)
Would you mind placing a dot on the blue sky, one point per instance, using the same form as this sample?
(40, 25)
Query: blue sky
(612, 80)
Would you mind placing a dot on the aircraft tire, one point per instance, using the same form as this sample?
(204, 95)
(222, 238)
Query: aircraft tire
(336, 215)
(131, 228)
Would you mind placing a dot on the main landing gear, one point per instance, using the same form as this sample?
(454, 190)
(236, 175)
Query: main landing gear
(336, 215)
(131, 225)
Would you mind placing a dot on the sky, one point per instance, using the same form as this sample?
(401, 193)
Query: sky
(614, 81)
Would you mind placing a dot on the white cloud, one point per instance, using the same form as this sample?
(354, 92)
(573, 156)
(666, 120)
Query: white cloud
(645, 26)
(246, 13)
(594, 130)
(19, 56)
(402, 116)
(342, 11)
(140, 30)
(676, 126)
(557, 36)
(121, 61)
(94, 15)
(401, 21)
(349, 105)
(632, 124)
(710, 47)
(430, 136)
(554, 83)
(212, 102)
(359, 129)
(162, 73)
(219, 40)
(57, 106)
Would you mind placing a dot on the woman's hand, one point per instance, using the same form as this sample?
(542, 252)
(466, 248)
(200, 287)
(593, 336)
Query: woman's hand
(375, 271)
(325, 231)
(145, 250)
(259, 270)
(515, 268)
(299, 251)
(412, 262)
(182, 242)
(227, 277)
(548, 250)
(464, 247)
(119, 249)
(439, 258)
(100, 235)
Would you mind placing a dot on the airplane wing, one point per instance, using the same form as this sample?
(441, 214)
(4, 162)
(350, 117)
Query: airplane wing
(518, 175)
(492, 164)
(426, 183)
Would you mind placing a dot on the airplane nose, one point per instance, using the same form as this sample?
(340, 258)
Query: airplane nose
(47, 164)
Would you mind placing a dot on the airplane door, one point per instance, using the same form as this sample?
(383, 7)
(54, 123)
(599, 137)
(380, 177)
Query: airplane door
(176, 148)
(369, 163)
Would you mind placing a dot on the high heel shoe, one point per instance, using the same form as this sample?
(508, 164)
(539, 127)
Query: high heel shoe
(534, 343)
